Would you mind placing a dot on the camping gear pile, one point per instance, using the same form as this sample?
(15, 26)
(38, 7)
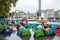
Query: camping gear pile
(6, 27)
(39, 30)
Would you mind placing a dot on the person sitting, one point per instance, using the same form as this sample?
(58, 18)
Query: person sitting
(40, 27)
(20, 25)
(47, 30)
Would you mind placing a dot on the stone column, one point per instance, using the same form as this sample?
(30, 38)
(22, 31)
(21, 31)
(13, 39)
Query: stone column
(39, 9)
(39, 5)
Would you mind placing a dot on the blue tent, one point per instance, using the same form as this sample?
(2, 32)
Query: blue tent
(20, 31)
(53, 27)
(52, 31)
(34, 26)
(27, 25)
(6, 31)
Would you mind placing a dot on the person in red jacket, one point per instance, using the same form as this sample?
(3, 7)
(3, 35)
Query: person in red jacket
(20, 25)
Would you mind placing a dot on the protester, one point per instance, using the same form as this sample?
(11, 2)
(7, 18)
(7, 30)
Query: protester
(40, 27)
(20, 25)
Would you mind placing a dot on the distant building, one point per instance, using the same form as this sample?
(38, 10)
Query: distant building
(20, 14)
(58, 12)
(50, 13)
(33, 15)
(14, 15)
(11, 15)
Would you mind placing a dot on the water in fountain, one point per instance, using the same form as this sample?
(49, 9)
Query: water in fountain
(32, 33)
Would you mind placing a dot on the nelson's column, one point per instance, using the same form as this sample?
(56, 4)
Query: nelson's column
(39, 9)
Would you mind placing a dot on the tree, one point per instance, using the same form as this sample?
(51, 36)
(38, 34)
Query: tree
(5, 7)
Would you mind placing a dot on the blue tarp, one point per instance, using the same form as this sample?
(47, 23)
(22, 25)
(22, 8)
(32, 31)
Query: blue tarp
(34, 26)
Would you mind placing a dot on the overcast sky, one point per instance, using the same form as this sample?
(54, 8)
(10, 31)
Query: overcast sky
(32, 5)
